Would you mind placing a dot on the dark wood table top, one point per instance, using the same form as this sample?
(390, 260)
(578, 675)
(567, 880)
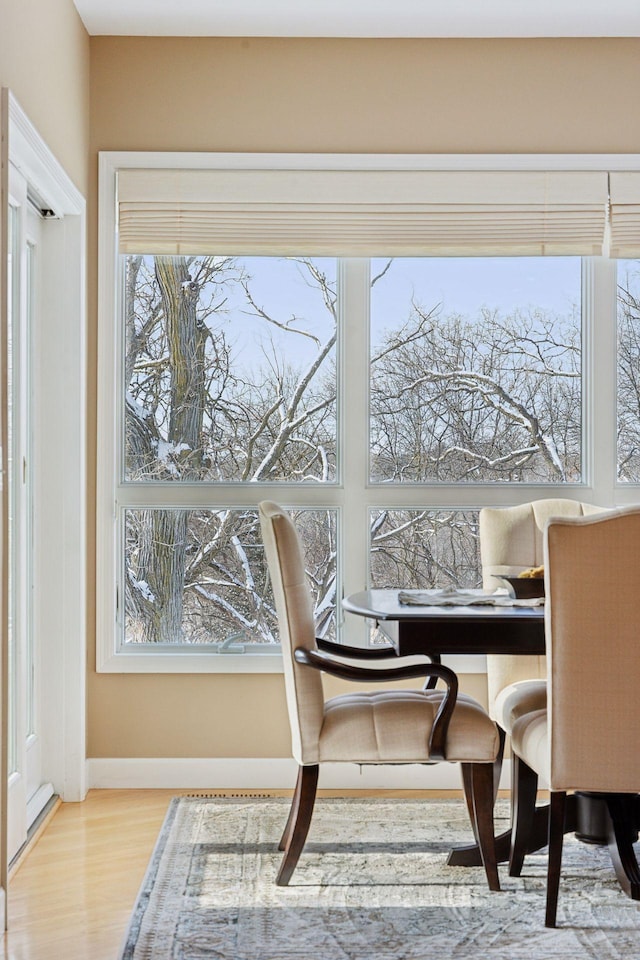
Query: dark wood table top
(385, 605)
(437, 630)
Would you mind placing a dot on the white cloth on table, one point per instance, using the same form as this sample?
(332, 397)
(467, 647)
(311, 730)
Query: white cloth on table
(454, 597)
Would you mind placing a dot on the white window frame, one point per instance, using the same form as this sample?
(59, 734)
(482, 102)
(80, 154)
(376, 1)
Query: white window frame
(353, 496)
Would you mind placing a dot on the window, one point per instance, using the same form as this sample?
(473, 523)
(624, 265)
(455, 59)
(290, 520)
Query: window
(230, 369)
(476, 370)
(229, 378)
(628, 434)
(383, 399)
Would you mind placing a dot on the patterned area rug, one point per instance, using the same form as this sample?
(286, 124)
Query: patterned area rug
(372, 884)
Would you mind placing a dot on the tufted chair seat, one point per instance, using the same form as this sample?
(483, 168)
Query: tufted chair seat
(389, 727)
(517, 700)
(530, 740)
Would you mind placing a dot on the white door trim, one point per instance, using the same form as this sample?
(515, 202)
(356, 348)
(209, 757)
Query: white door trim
(60, 481)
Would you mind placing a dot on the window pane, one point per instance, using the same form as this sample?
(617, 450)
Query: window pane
(425, 548)
(200, 577)
(229, 369)
(476, 370)
(628, 371)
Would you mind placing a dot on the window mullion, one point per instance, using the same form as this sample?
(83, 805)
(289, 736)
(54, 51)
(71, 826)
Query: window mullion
(354, 393)
(599, 366)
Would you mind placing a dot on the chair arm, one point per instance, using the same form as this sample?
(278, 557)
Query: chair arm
(356, 653)
(346, 671)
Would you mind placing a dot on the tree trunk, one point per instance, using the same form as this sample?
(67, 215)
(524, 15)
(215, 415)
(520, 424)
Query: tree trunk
(163, 540)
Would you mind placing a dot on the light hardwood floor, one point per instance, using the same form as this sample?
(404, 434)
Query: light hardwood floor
(71, 895)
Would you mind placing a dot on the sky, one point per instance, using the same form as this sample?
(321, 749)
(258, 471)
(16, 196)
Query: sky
(465, 285)
(459, 285)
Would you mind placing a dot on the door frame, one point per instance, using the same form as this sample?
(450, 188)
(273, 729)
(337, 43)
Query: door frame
(60, 499)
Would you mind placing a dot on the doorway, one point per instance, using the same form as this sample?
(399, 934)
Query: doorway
(43, 404)
(28, 791)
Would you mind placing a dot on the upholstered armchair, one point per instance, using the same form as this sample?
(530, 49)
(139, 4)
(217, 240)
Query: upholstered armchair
(390, 726)
(511, 540)
(583, 739)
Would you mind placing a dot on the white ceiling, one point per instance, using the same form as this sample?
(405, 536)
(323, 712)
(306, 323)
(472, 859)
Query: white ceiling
(362, 18)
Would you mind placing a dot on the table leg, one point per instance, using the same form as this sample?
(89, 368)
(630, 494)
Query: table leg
(621, 813)
(469, 856)
(592, 821)
(623, 821)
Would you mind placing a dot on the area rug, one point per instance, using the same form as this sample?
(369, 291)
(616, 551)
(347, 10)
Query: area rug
(371, 884)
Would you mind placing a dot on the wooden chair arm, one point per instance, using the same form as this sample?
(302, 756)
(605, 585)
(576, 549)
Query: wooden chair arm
(319, 660)
(356, 653)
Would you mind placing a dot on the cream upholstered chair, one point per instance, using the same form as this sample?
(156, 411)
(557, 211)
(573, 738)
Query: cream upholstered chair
(391, 726)
(584, 740)
(511, 540)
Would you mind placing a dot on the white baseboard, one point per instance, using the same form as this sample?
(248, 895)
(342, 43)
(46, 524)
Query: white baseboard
(37, 803)
(267, 774)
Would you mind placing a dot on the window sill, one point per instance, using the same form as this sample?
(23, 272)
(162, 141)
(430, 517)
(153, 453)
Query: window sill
(233, 663)
(171, 661)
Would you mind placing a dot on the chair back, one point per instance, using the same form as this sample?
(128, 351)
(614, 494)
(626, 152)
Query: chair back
(511, 540)
(285, 560)
(592, 573)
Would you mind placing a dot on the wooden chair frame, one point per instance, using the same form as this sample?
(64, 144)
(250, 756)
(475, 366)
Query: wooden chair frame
(477, 777)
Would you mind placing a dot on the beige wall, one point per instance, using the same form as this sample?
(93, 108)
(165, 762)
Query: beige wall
(365, 95)
(44, 60)
(334, 96)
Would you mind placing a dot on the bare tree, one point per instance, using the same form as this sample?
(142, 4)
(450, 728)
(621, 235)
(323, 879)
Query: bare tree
(163, 538)
(629, 376)
(192, 415)
(453, 398)
(493, 399)
(425, 548)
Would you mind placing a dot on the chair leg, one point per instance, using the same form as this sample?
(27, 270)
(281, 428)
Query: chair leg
(467, 784)
(497, 763)
(295, 800)
(524, 789)
(556, 837)
(295, 832)
(482, 789)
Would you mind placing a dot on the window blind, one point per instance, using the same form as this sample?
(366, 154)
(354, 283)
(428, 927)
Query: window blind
(625, 213)
(361, 213)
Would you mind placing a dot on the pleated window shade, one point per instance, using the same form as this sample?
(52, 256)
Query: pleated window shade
(361, 213)
(625, 213)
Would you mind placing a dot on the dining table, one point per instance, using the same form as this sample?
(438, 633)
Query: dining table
(432, 624)
(504, 625)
